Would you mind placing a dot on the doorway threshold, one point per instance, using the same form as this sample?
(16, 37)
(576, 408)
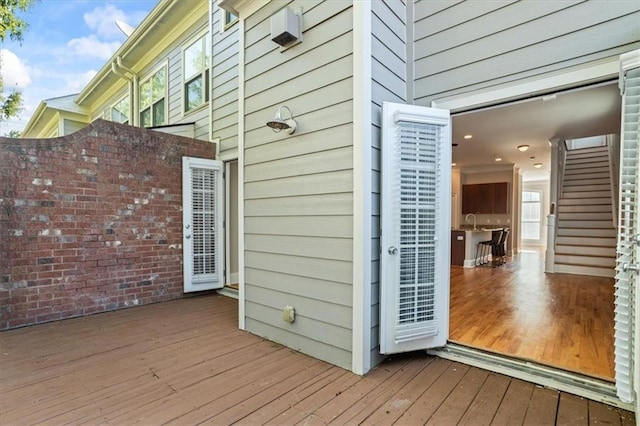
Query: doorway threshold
(565, 381)
(229, 292)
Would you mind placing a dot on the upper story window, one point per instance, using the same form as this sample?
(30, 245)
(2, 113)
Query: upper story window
(197, 60)
(228, 19)
(153, 99)
(120, 111)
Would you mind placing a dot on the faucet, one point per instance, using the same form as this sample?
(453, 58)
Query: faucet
(466, 220)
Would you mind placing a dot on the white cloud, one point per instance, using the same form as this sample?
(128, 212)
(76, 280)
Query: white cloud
(92, 47)
(75, 83)
(102, 21)
(15, 73)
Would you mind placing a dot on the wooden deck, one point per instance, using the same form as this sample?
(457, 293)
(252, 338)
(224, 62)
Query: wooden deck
(185, 362)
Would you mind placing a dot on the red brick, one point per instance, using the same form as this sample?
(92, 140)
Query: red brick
(74, 268)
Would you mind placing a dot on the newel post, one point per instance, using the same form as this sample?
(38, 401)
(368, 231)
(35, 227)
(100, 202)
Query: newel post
(550, 253)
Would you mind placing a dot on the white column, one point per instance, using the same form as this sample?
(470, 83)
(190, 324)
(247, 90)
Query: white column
(550, 253)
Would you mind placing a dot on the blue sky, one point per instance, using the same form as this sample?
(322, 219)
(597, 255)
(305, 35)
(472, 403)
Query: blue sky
(66, 43)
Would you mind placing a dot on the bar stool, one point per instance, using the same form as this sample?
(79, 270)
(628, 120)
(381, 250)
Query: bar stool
(500, 254)
(485, 248)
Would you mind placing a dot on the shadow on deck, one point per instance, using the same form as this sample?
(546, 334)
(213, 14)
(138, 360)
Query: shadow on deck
(185, 362)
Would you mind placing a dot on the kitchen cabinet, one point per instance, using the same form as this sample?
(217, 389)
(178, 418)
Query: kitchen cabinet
(485, 198)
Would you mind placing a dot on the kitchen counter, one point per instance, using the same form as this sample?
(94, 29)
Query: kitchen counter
(469, 238)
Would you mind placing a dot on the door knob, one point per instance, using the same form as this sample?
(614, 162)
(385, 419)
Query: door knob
(393, 250)
(187, 237)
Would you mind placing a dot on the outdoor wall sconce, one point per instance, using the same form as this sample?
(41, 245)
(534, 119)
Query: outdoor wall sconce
(278, 123)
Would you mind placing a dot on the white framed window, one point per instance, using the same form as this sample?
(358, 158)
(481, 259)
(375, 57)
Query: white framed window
(153, 99)
(227, 20)
(121, 110)
(196, 63)
(531, 215)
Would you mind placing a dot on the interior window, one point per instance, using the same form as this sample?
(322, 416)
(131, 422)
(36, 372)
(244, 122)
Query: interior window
(531, 214)
(196, 73)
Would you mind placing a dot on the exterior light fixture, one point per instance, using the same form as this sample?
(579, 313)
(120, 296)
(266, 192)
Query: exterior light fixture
(278, 123)
(537, 165)
(523, 148)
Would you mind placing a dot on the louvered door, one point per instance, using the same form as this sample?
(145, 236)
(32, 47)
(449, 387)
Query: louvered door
(628, 247)
(203, 233)
(415, 238)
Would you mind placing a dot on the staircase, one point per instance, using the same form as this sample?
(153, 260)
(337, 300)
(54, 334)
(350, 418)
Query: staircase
(586, 237)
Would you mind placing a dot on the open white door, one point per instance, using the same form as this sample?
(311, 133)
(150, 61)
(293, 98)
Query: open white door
(203, 233)
(416, 234)
(628, 247)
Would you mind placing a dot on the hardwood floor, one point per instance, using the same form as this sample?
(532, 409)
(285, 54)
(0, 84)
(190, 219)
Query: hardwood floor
(561, 320)
(185, 362)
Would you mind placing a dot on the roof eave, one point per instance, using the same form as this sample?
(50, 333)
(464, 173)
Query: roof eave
(132, 41)
(35, 118)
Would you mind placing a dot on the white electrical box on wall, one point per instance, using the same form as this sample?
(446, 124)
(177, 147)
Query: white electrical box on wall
(286, 27)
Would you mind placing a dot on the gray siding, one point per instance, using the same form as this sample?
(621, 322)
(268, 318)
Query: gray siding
(176, 114)
(72, 126)
(389, 83)
(298, 188)
(224, 84)
(172, 59)
(471, 45)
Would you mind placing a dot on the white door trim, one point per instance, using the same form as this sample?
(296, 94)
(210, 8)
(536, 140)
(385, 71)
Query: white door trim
(241, 283)
(585, 74)
(230, 277)
(362, 134)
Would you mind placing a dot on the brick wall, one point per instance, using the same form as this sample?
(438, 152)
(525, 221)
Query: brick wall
(90, 222)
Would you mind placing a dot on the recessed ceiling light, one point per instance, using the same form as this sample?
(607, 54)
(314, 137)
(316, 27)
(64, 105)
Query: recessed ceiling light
(468, 136)
(523, 148)
(498, 158)
(537, 165)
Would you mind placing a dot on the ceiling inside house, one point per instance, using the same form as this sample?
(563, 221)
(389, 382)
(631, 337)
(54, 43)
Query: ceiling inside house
(498, 131)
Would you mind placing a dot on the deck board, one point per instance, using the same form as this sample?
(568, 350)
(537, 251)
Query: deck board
(425, 406)
(186, 362)
(543, 407)
(449, 412)
(485, 405)
(572, 410)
